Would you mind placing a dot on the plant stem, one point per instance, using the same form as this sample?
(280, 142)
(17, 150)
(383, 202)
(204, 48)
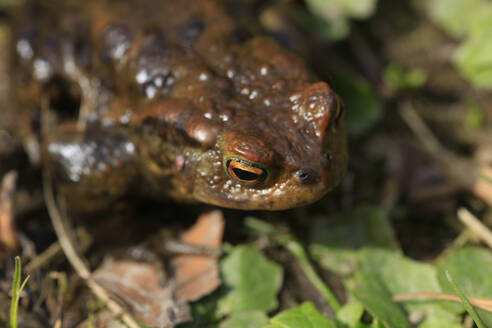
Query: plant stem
(466, 303)
(298, 251)
(17, 288)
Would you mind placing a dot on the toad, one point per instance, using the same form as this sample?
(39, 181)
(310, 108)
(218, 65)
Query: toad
(168, 99)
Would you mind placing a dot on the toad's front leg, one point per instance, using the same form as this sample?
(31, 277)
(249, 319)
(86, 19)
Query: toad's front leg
(91, 168)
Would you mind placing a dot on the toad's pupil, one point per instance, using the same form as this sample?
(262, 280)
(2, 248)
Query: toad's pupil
(245, 175)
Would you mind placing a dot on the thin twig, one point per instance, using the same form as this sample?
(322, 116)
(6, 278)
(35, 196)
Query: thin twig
(54, 249)
(459, 242)
(483, 185)
(482, 303)
(421, 130)
(475, 225)
(74, 259)
(74, 72)
(459, 168)
(179, 247)
(44, 257)
(61, 279)
(368, 60)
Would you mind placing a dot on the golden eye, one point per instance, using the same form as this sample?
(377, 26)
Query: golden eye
(245, 172)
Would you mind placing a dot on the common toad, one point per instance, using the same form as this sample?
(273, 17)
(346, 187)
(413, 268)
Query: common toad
(173, 102)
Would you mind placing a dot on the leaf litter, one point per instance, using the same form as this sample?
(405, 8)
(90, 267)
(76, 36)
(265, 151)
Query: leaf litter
(156, 299)
(385, 256)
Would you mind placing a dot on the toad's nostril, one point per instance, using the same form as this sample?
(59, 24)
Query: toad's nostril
(307, 176)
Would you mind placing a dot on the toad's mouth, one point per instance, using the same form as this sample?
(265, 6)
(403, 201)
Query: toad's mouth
(281, 196)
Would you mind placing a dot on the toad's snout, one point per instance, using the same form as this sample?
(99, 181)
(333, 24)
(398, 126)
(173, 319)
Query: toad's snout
(307, 176)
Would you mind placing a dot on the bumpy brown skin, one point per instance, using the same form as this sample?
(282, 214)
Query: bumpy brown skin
(171, 94)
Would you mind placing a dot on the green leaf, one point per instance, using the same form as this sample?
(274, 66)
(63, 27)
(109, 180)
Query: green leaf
(469, 19)
(335, 9)
(258, 226)
(473, 58)
(9, 3)
(466, 303)
(459, 17)
(363, 107)
(336, 242)
(376, 298)
(401, 275)
(245, 319)
(324, 30)
(398, 79)
(475, 116)
(254, 281)
(471, 269)
(336, 15)
(298, 251)
(350, 314)
(304, 316)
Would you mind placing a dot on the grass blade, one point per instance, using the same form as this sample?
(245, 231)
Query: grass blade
(466, 303)
(17, 288)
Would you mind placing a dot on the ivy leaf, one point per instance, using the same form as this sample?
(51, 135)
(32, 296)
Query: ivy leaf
(254, 281)
(370, 291)
(401, 275)
(350, 315)
(304, 316)
(245, 319)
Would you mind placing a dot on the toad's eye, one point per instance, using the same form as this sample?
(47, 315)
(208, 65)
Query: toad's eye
(245, 172)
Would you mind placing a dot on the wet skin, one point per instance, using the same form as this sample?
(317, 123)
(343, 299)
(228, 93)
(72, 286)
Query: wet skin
(174, 104)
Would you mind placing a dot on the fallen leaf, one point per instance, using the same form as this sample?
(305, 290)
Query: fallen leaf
(198, 275)
(137, 286)
(7, 227)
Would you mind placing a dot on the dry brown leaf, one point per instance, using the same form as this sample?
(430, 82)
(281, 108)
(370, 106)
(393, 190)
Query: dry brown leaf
(7, 226)
(138, 287)
(198, 275)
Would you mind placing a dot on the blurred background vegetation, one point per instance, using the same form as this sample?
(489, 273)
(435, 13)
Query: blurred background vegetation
(415, 77)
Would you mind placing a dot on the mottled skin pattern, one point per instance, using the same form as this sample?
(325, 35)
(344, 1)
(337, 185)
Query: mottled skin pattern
(175, 104)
